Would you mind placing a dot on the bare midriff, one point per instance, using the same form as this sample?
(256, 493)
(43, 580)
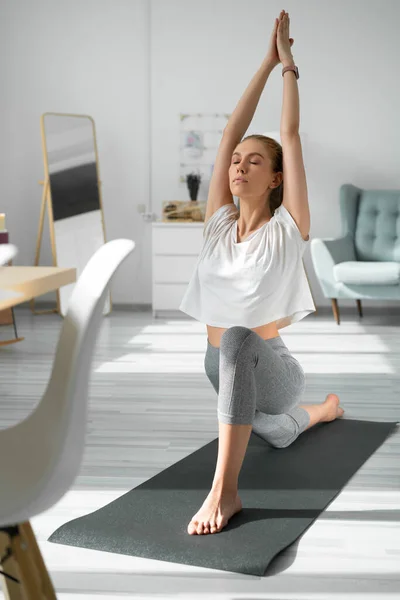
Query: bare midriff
(267, 332)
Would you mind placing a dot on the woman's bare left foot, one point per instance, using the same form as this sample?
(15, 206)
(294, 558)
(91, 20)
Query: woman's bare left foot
(334, 411)
(215, 513)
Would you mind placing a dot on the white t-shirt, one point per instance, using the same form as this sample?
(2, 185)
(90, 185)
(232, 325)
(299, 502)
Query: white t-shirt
(251, 283)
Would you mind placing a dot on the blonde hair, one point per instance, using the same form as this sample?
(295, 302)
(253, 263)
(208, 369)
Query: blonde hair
(274, 150)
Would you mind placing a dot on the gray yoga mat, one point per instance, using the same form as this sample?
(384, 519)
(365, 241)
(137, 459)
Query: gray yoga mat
(282, 490)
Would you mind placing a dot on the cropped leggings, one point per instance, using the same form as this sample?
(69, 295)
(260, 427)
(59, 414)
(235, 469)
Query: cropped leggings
(258, 382)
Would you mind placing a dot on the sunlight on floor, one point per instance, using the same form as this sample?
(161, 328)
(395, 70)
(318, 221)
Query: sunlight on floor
(180, 348)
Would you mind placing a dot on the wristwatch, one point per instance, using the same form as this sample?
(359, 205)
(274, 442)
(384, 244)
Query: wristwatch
(291, 68)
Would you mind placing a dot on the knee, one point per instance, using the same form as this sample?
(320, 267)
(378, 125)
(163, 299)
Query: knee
(278, 444)
(272, 439)
(278, 435)
(282, 444)
(235, 336)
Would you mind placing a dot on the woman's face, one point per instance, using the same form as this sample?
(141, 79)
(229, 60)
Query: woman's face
(251, 162)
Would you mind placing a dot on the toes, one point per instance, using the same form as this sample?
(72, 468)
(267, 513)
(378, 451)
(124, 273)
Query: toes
(201, 528)
(192, 527)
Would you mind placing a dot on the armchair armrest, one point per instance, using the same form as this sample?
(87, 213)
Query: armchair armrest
(325, 254)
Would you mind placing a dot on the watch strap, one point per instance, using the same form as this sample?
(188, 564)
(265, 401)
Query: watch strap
(291, 68)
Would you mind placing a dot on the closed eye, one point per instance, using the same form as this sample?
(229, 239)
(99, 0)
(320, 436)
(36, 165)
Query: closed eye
(252, 163)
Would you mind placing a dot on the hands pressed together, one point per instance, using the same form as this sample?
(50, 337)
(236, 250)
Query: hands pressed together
(280, 43)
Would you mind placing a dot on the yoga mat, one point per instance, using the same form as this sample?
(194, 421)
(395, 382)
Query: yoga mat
(282, 491)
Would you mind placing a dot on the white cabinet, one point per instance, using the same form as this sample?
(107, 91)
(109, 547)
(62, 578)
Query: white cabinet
(175, 250)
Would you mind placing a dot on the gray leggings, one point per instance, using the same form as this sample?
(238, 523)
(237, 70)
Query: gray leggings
(258, 382)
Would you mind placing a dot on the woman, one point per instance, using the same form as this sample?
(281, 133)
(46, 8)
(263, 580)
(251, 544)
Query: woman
(249, 282)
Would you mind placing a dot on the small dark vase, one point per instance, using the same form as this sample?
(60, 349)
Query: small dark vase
(193, 183)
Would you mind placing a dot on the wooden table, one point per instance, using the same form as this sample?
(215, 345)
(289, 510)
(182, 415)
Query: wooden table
(30, 282)
(19, 284)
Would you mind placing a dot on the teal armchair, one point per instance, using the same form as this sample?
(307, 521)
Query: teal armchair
(364, 263)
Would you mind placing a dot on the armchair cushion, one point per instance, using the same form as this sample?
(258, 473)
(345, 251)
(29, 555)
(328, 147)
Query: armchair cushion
(367, 273)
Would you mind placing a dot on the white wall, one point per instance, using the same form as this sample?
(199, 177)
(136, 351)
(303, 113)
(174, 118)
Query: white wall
(135, 65)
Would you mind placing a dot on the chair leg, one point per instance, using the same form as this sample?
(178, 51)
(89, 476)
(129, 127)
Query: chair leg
(359, 307)
(45, 581)
(29, 575)
(335, 307)
(28, 568)
(11, 578)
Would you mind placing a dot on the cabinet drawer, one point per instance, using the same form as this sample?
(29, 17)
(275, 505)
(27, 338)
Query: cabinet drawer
(169, 269)
(177, 240)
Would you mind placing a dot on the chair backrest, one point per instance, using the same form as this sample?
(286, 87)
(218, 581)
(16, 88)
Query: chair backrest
(372, 219)
(59, 421)
(7, 253)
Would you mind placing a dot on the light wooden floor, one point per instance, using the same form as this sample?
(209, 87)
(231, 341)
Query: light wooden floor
(151, 405)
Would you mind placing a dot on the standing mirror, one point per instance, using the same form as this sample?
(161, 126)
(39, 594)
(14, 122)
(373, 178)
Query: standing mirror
(72, 195)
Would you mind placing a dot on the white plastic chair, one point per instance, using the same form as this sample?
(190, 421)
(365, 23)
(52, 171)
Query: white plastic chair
(41, 455)
(7, 253)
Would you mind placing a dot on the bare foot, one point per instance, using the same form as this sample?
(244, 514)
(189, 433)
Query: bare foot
(334, 411)
(215, 513)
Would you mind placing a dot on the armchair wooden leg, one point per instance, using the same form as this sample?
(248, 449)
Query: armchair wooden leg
(335, 308)
(27, 566)
(359, 307)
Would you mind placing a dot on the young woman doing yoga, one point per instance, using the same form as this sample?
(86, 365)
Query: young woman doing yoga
(249, 282)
